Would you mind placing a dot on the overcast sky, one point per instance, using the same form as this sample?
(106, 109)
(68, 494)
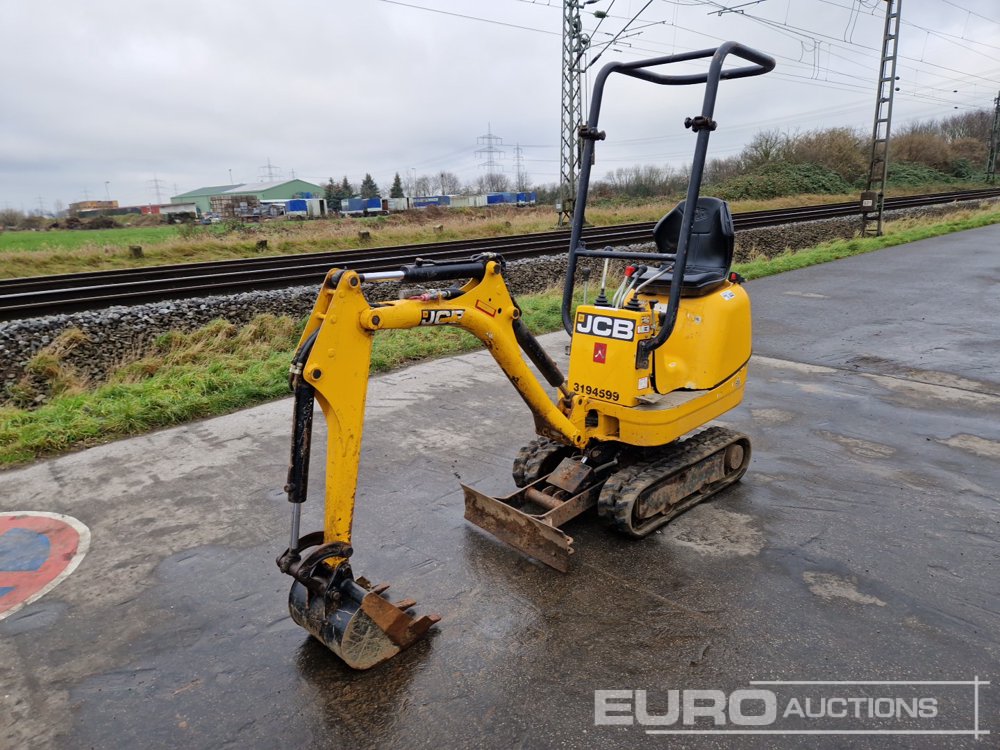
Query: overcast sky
(102, 98)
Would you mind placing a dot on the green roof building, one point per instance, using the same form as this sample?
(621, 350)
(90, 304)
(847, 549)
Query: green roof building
(281, 190)
(202, 196)
(262, 191)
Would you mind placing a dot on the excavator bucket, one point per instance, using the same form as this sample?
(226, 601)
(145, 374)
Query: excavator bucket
(529, 520)
(347, 615)
(362, 628)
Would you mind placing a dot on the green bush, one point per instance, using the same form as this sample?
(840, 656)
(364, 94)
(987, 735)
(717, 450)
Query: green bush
(909, 174)
(963, 169)
(777, 179)
(190, 231)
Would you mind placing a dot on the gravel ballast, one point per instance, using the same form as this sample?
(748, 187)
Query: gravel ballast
(116, 335)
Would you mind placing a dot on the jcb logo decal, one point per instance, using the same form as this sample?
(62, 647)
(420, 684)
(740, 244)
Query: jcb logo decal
(605, 326)
(440, 317)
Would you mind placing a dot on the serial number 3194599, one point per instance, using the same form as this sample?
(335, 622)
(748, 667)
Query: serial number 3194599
(603, 393)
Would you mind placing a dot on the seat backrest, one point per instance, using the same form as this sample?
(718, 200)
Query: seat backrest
(712, 234)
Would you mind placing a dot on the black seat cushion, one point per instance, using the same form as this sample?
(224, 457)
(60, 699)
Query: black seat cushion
(710, 250)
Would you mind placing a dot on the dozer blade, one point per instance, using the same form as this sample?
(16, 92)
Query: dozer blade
(536, 535)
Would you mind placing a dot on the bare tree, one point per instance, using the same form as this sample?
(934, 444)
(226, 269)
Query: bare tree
(922, 126)
(424, 185)
(971, 150)
(33, 220)
(643, 181)
(721, 169)
(449, 182)
(765, 146)
(922, 147)
(10, 217)
(494, 182)
(522, 182)
(841, 150)
(547, 193)
(976, 124)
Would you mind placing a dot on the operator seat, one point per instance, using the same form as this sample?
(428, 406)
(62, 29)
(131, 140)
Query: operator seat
(710, 250)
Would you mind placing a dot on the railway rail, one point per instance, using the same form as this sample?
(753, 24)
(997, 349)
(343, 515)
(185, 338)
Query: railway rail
(48, 295)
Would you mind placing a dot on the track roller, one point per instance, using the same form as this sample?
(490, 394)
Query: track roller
(642, 497)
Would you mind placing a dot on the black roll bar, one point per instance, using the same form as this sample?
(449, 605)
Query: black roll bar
(702, 125)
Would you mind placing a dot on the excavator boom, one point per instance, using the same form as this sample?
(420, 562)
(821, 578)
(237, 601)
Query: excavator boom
(331, 368)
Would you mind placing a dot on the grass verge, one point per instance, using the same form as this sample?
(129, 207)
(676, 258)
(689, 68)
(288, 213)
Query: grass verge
(215, 370)
(896, 233)
(221, 367)
(74, 239)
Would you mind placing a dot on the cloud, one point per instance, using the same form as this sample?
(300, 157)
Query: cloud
(120, 93)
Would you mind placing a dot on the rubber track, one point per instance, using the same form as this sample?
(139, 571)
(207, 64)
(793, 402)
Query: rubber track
(529, 464)
(622, 490)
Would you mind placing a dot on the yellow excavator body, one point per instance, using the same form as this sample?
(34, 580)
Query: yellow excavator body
(650, 365)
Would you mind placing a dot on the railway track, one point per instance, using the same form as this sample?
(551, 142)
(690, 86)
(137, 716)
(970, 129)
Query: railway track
(49, 295)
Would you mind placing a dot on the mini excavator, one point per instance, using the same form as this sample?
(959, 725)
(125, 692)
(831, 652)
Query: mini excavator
(660, 358)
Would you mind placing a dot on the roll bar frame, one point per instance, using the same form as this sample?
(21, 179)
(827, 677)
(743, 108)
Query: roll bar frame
(702, 125)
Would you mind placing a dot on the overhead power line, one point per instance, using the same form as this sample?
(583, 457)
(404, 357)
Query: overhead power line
(621, 31)
(945, 36)
(470, 18)
(971, 12)
(814, 34)
(847, 52)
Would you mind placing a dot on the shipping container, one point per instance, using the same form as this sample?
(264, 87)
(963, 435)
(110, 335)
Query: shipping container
(431, 200)
(461, 201)
(361, 206)
(120, 211)
(316, 207)
(396, 204)
(495, 199)
(296, 207)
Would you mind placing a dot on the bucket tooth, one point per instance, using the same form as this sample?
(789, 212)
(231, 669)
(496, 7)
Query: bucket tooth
(393, 620)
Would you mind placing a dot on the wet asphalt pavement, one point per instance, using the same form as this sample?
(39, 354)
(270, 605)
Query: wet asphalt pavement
(863, 545)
